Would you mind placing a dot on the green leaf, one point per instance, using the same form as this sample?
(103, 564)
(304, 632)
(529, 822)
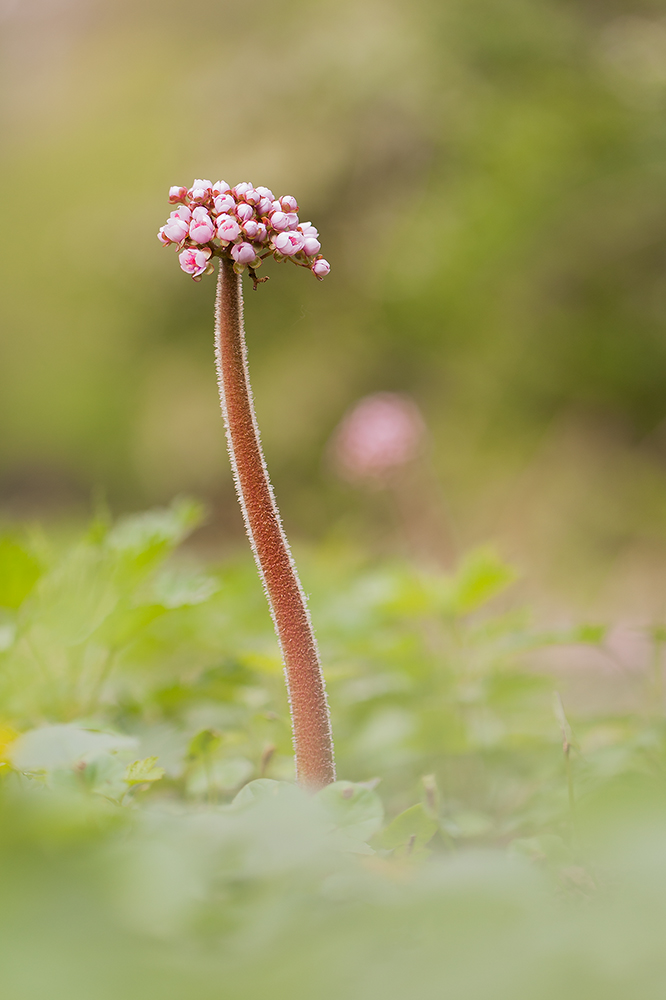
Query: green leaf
(265, 788)
(142, 771)
(19, 571)
(52, 748)
(481, 576)
(354, 810)
(124, 624)
(591, 635)
(205, 742)
(163, 528)
(223, 775)
(409, 832)
(183, 588)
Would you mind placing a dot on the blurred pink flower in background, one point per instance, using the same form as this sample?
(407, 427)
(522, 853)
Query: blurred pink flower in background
(380, 435)
(381, 444)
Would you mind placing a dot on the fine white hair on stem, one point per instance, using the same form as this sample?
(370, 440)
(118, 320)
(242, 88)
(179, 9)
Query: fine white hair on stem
(311, 726)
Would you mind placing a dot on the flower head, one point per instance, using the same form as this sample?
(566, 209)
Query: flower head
(244, 224)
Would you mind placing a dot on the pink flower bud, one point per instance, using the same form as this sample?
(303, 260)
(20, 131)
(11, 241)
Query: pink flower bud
(177, 193)
(289, 204)
(311, 246)
(288, 243)
(241, 189)
(308, 229)
(183, 212)
(227, 228)
(164, 240)
(194, 261)
(251, 228)
(266, 193)
(320, 268)
(202, 227)
(277, 207)
(262, 232)
(292, 220)
(220, 187)
(244, 212)
(175, 229)
(243, 253)
(264, 206)
(201, 190)
(252, 197)
(279, 221)
(225, 203)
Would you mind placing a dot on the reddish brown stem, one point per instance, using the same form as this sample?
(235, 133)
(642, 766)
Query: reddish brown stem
(311, 724)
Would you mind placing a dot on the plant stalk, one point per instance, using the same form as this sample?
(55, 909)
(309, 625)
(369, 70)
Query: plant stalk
(310, 719)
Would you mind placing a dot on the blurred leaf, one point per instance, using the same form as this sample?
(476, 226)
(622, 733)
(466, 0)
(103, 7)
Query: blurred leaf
(353, 810)
(467, 824)
(19, 572)
(409, 832)
(221, 775)
(141, 533)
(205, 742)
(481, 576)
(141, 771)
(262, 789)
(591, 635)
(63, 746)
(124, 624)
(180, 588)
(7, 738)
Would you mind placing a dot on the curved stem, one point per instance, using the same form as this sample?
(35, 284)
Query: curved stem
(311, 725)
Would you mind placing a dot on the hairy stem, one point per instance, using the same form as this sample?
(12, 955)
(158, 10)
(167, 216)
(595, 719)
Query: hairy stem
(311, 724)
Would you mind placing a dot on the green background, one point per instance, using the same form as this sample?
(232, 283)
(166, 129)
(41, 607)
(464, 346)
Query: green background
(489, 180)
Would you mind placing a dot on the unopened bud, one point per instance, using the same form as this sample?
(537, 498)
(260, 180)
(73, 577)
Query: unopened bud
(311, 246)
(288, 243)
(227, 228)
(321, 268)
(279, 221)
(177, 194)
(243, 253)
(202, 227)
(244, 212)
(176, 229)
(224, 203)
(251, 228)
(241, 189)
(201, 190)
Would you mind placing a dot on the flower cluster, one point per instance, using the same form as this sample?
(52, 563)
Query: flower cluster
(243, 223)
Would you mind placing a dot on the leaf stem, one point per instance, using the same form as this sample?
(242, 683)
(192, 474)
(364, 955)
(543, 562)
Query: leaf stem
(311, 725)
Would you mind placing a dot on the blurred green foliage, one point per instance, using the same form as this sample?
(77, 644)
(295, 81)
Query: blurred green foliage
(488, 177)
(152, 841)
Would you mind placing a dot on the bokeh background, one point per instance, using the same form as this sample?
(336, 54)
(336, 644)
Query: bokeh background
(489, 181)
